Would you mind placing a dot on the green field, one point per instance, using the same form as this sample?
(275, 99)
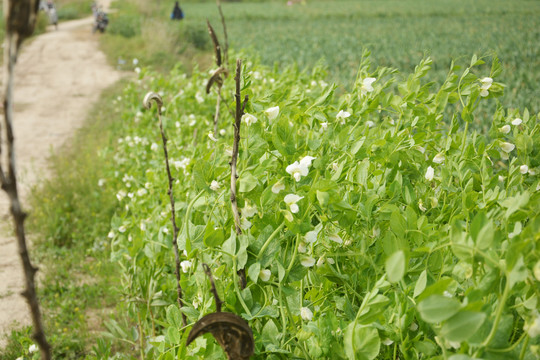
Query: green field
(398, 34)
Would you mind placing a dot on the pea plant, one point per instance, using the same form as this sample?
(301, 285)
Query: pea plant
(374, 223)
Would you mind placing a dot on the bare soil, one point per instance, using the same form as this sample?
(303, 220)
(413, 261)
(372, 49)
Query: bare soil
(60, 74)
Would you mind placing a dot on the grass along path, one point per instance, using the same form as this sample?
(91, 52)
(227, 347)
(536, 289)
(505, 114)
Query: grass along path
(60, 75)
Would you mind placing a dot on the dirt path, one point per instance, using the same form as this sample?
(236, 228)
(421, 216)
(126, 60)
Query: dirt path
(60, 75)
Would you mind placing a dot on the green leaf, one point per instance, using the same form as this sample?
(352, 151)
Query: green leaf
(173, 335)
(420, 284)
(253, 271)
(361, 342)
(398, 224)
(395, 266)
(437, 308)
(174, 318)
(283, 137)
(518, 273)
(247, 182)
(462, 326)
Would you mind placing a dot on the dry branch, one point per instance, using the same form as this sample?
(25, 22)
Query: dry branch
(151, 96)
(234, 158)
(20, 18)
(226, 47)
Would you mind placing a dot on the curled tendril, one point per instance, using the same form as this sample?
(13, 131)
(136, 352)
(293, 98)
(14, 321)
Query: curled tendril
(147, 102)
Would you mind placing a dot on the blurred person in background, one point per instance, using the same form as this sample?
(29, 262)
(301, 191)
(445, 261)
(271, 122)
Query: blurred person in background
(177, 13)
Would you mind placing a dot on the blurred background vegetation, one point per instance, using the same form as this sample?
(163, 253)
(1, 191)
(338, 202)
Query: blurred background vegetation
(398, 34)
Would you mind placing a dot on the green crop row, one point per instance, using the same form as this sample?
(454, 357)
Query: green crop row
(398, 34)
(372, 227)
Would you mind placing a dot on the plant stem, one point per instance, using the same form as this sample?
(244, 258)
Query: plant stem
(269, 240)
(498, 315)
(159, 102)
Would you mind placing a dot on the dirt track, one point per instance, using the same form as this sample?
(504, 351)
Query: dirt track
(59, 76)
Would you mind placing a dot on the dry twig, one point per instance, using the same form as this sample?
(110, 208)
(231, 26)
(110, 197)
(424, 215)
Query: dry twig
(151, 96)
(237, 122)
(20, 21)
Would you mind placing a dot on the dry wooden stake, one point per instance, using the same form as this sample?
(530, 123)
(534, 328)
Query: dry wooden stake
(20, 18)
(152, 96)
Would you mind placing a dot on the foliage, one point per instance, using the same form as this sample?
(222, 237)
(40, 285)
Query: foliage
(154, 39)
(69, 9)
(398, 34)
(410, 235)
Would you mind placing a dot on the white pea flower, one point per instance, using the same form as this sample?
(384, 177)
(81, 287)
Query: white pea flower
(154, 147)
(147, 185)
(311, 236)
(33, 348)
(277, 187)
(110, 235)
(211, 136)
(19, 358)
(249, 119)
(265, 274)
(331, 261)
(421, 206)
(302, 247)
(137, 70)
(307, 261)
(228, 150)
(486, 84)
(199, 98)
(245, 223)
(135, 61)
(142, 226)
(534, 328)
(523, 169)
(272, 112)
(130, 195)
(370, 124)
(215, 185)
(299, 169)
(306, 314)
(517, 122)
(505, 129)
(387, 342)
(335, 166)
(324, 125)
(222, 132)
(101, 182)
(120, 195)
(342, 115)
(430, 172)
(182, 164)
(142, 192)
(249, 211)
(367, 85)
(501, 178)
(504, 155)
(447, 294)
(185, 265)
(320, 262)
(413, 327)
(335, 238)
(439, 158)
(434, 202)
(507, 147)
(291, 200)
